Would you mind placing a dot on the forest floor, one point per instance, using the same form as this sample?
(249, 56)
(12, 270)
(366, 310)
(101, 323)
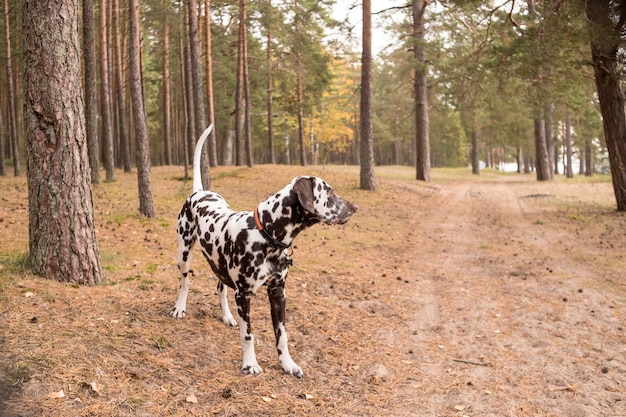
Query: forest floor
(467, 296)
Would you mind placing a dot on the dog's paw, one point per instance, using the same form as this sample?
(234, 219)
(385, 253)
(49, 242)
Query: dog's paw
(177, 313)
(292, 368)
(251, 369)
(229, 321)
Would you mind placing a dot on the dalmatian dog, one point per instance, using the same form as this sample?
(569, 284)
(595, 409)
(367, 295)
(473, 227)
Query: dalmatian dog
(250, 249)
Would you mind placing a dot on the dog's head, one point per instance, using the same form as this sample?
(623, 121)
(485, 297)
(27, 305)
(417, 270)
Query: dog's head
(319, 199)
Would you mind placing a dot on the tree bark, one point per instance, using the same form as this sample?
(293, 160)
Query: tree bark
(270, 103)
(239, 95)
(14, 136)
(550, 139)
(62, 236)
(246, 94)
(542, 162)
(212, 140)
(422, 140)
(91, 108)
(166, 94)
(605, 44)
(569, 172)
(3, 169)
(198, 90)
(105, 97)
(367, 133)
(300, 100)
(588, 159)
(475, 154)
(190, 119)
(122, 109)
(146, 206)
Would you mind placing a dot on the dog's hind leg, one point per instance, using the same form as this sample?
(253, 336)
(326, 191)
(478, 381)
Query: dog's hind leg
(249, 363)
(276, 293)
(227, 316)
(186, 232)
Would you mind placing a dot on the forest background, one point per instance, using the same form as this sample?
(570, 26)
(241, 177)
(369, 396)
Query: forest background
(495, 70)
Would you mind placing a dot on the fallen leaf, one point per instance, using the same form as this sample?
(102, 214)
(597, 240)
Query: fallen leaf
(59, 394)
(191, 398)
(266, 399)
(28, 294)
(94, 387)
(460, 407)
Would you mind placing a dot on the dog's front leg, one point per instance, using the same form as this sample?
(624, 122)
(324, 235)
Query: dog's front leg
(249, 363)
(276, 293)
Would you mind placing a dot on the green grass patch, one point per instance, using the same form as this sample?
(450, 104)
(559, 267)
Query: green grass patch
(15, 261)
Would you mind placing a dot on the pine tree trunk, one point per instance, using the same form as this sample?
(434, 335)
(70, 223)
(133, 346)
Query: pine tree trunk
(541, 152)
(239, 95)
(122, 110)
(212, 142)
(475, 157)
(569, 171)
(246, 93)
(605, 45)
(549, 139)
(3, 168)
(198, 89)
(91, 108)
(166, 94)
(14, 137)
(589, 169)
(300, 99)
(105, 97)
(190, 119)
(270, 104)
(422, 140)
(62, 236)
(367, 133)
(146, 206)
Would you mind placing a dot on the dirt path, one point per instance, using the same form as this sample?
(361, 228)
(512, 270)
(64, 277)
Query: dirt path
(505, 292)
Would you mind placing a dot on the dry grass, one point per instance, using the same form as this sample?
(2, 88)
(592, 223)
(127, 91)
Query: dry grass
(352, 293)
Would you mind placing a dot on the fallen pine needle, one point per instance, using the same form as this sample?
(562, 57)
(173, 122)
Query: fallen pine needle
(472, 362)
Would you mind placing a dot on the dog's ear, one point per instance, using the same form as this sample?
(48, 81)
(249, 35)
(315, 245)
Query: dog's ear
(304, 190)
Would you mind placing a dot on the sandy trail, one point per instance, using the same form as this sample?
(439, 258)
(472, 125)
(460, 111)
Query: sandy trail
(498, 288)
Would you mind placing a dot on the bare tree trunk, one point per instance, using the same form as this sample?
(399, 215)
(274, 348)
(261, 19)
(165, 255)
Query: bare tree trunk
(15, 149)
(519, 160)
(3, 169)
(270, 104)
(190, 119)
(588, 159)
(605, 44)
(212, 140)
(542, 162)
(367, 181)
(91, 109)
(475, 157)
(569, 172)
(300, 99)
(246, 93)
(239, 94)
(122, 110)
(62, 235)
(550, 139)
(198, 94)
(422, 140)
(166, 94)
(146, 206)
(105, 97)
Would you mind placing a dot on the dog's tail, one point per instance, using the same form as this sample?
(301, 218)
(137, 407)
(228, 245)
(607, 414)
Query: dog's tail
(197, 156)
